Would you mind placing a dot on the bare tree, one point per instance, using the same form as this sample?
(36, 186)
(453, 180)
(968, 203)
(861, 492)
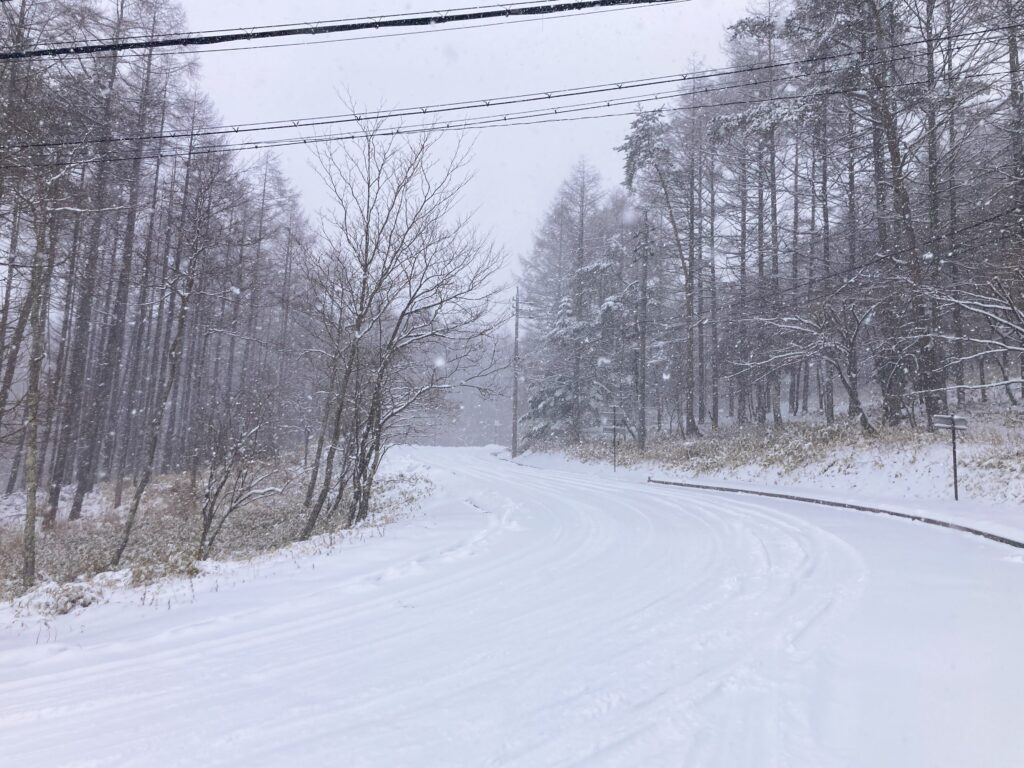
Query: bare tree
(400, 292)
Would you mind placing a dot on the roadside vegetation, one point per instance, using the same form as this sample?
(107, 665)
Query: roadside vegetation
(901, 461)
(73, 559)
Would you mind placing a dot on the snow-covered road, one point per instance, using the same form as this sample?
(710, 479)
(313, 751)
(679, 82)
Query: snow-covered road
(532, 617)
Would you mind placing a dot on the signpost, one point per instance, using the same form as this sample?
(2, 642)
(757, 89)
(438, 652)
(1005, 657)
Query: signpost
(611, 423)
(954, 424)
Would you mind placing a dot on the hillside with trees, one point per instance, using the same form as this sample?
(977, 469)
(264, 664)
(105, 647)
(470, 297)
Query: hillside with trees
(829, 227)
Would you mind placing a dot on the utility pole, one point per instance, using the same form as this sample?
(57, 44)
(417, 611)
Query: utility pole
(615, 439)
(641, 358)
(515, 384)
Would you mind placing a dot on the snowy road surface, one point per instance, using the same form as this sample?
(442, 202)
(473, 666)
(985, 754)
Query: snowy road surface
(530, 617)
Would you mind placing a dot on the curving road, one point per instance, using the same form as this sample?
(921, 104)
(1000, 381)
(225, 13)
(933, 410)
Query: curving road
(530, 617)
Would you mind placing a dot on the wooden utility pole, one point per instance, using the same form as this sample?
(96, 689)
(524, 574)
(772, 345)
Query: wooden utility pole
(515, 384)
(641, 358)
(615, 439)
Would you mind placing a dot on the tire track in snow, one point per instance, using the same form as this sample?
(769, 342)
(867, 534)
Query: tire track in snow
(585, 622)
(710, 513)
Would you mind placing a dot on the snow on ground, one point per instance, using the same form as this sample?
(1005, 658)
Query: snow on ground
(912, 478)
(533, 616)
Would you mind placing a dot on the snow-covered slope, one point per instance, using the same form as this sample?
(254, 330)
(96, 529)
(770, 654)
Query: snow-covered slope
(541, 617)
(914, 479)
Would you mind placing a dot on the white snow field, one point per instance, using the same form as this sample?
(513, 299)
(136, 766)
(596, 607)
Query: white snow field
(539, 617)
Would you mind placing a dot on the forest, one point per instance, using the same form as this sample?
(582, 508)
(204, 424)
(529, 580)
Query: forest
(169, 309)
(829, 227)
(605, 383)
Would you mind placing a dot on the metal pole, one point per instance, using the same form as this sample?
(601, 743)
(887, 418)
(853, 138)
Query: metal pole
(515, 384)
(956, 481)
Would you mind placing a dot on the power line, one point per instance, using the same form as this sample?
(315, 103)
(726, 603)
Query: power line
(567, 114)
(383, 35)
(481, 13)
(387, 35)
(531, 97)
(260, 27)
(314, 122)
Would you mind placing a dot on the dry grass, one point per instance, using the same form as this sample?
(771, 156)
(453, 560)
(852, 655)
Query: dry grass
(991, 459)
(786, 448)
(166, 537)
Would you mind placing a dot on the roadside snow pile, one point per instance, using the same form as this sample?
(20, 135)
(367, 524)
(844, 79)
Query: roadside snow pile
(53, 599)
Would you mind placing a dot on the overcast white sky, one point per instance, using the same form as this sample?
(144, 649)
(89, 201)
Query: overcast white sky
(517, 169)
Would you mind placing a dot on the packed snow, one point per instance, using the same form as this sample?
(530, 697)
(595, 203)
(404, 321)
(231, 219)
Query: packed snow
(540, 616)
